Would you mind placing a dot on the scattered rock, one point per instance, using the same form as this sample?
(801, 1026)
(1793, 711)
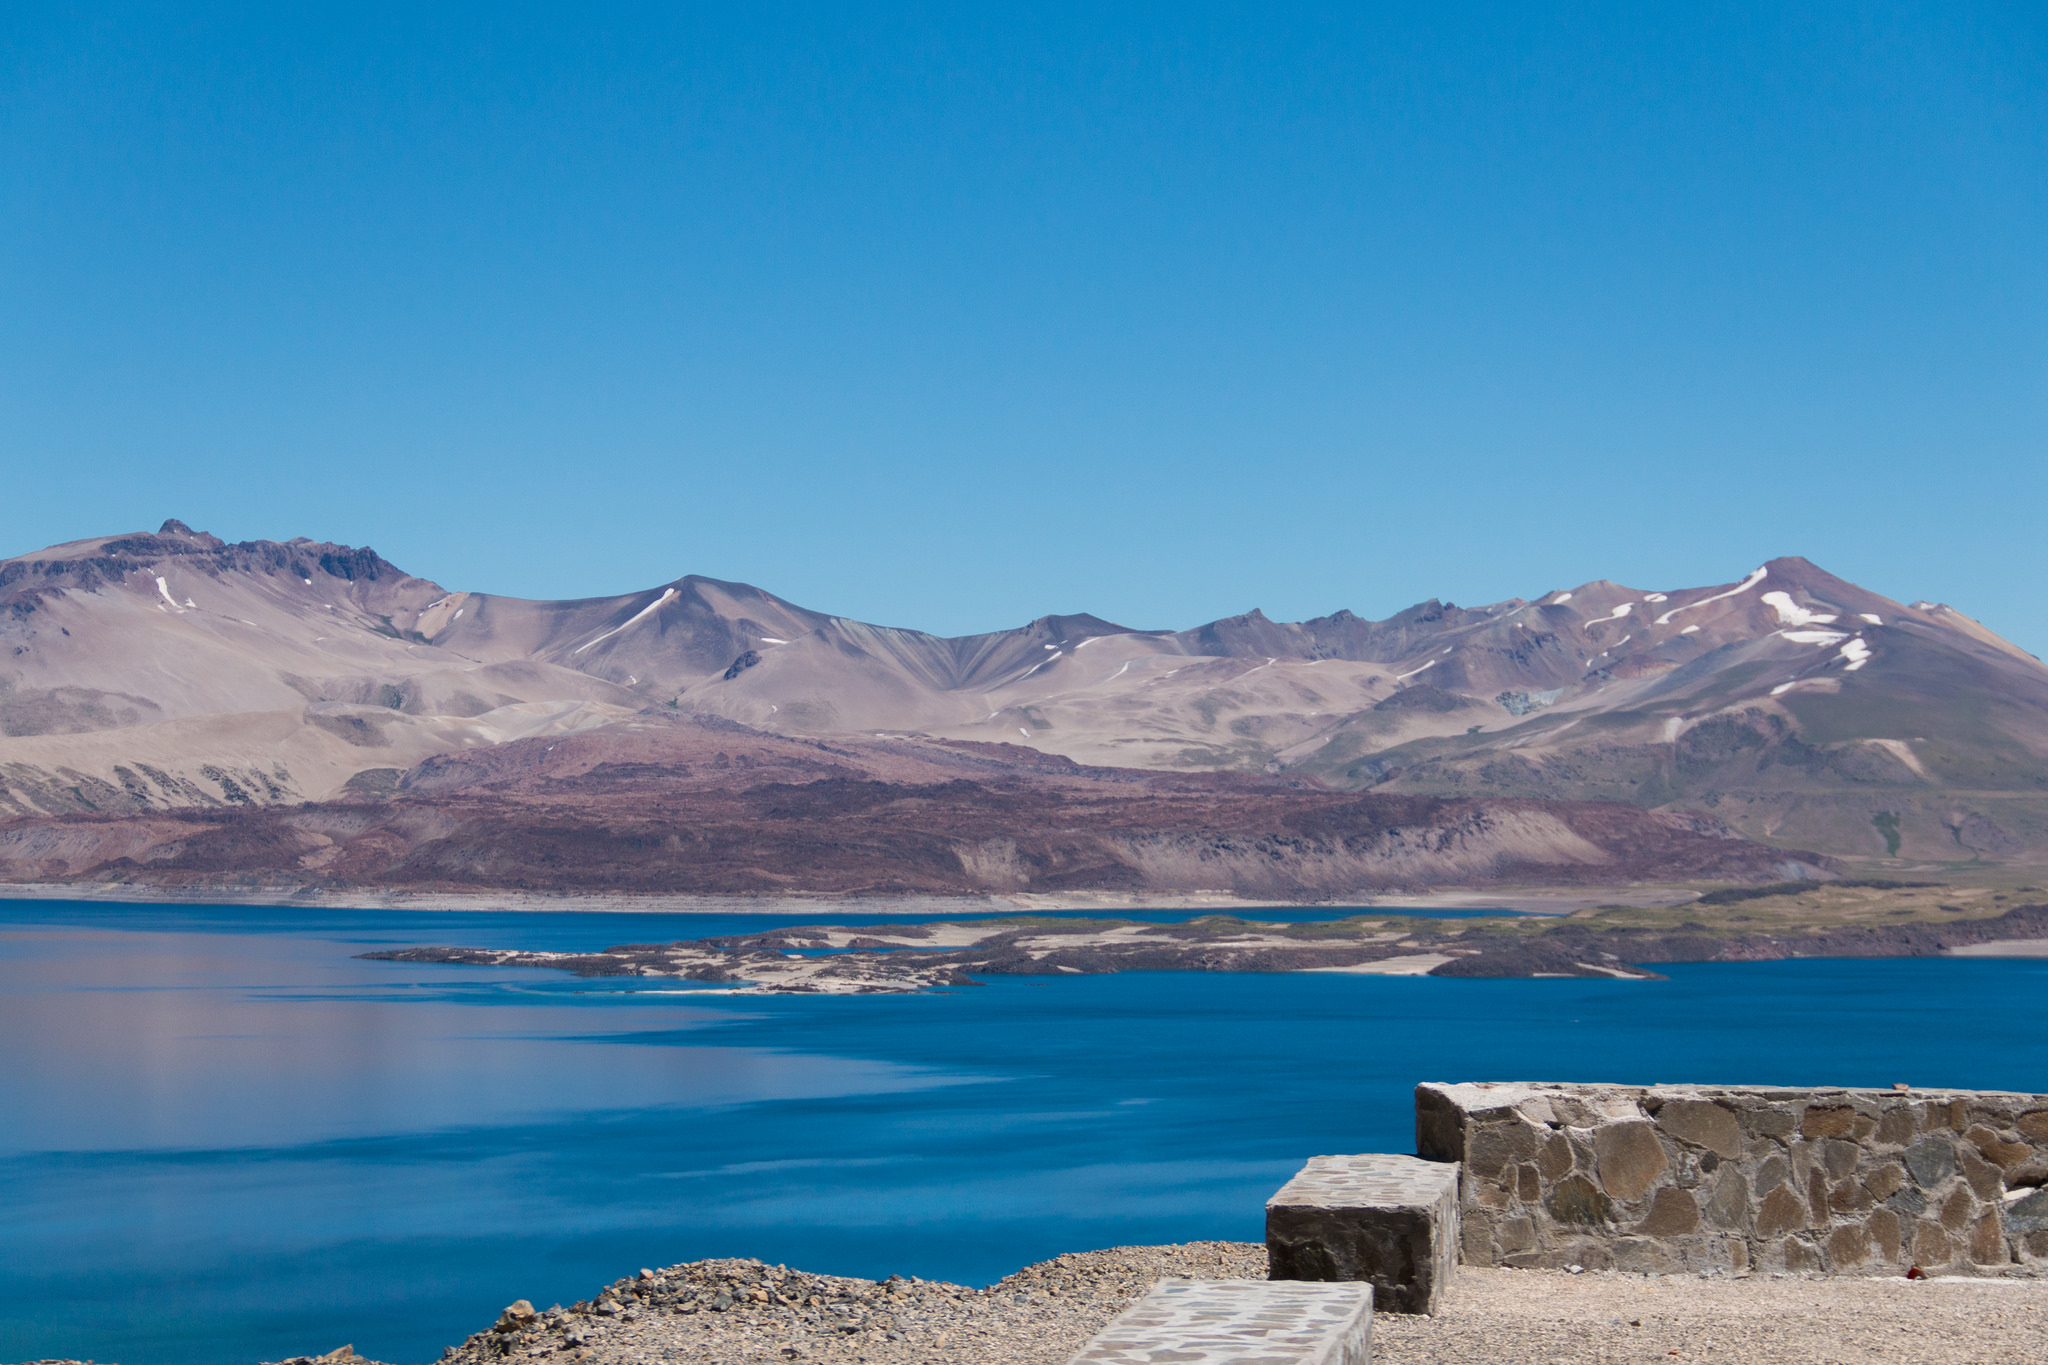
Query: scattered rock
(340, 1355)
(1042, 1314)
(728, 1311)
(517, 1315)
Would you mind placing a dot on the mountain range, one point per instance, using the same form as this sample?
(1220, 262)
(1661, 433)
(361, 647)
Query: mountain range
(166, 672)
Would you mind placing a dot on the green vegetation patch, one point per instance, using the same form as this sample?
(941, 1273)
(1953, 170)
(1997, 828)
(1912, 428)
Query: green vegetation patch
(1734, 895)
(1793, 908)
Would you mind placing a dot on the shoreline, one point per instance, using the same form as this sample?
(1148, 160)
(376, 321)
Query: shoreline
(1545, 901)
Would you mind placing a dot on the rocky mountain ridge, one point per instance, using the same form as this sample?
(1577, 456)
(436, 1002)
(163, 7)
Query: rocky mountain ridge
(171, 671)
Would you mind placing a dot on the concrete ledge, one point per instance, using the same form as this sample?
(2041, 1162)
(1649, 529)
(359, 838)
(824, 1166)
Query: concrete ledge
(1239, 1322)
(1391, 1221)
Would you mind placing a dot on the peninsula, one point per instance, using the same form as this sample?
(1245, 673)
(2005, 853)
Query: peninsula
(1850, 917)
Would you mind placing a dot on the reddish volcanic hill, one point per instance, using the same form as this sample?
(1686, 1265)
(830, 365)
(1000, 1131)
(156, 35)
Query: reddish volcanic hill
(696, 804)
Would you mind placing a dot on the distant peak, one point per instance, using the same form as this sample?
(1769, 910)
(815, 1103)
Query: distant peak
(174, 527)
(1070, 623)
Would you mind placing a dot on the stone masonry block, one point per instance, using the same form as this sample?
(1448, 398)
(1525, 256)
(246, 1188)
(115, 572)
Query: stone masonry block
(1704, 1124)
(1390, 1220)
(1629, 1158)
(1239, 1322)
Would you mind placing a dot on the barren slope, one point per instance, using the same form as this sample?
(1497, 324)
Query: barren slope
(1800, 707)
(172, 670)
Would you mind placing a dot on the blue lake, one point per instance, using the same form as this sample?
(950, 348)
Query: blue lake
(223, 1139)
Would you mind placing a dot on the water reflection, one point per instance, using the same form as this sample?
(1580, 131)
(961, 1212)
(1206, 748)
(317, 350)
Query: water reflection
(139, 1041)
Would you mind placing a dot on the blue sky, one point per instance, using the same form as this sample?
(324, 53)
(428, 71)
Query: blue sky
(953, 316)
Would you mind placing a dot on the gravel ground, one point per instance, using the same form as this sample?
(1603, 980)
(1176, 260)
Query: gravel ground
(1534, 1317)
(745, 1313)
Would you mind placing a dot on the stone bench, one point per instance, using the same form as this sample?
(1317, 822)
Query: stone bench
(1239, 1322)
(1389, 1220)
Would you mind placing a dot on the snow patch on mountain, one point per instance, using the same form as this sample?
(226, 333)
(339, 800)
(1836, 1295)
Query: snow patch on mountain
(1790, 613)
(1744, 586)
(1056, 653)
(1808, 685)
(1902, 751)
(668, 595)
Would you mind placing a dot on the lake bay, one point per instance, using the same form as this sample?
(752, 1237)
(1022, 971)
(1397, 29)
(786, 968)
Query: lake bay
(225, 1139)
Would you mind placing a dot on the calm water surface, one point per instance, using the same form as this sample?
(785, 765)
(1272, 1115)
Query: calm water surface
(222, 1139)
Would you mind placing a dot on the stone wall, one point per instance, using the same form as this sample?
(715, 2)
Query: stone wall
(1705, 1178)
